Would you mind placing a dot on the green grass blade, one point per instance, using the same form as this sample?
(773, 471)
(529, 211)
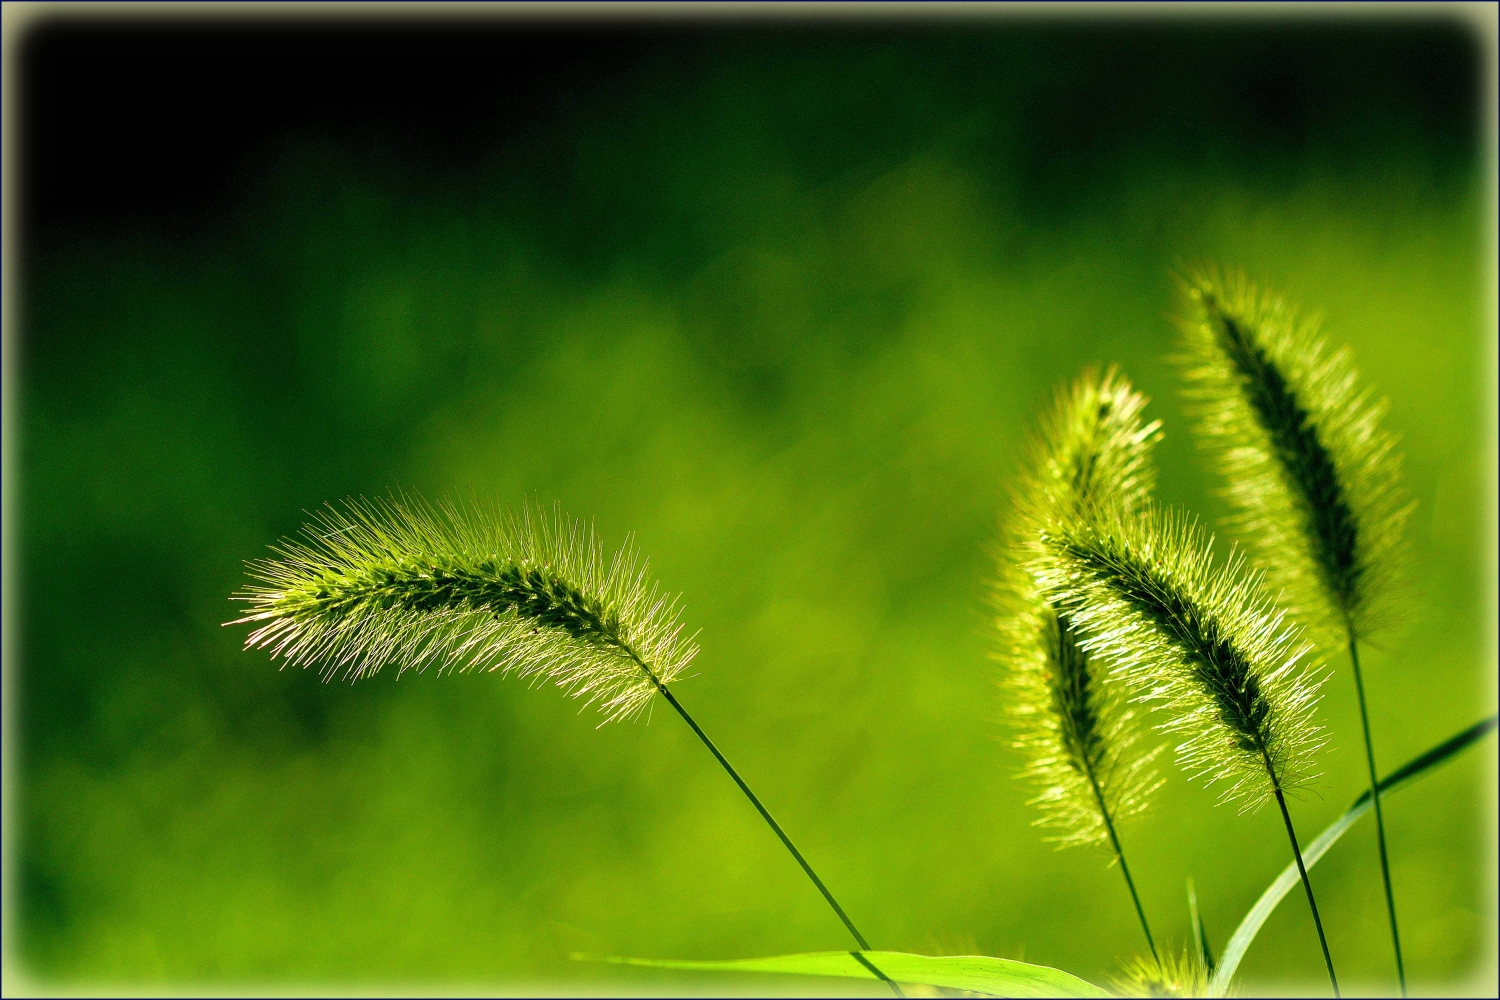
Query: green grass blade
(1229, 962)
(976, 973)
(1200, 933)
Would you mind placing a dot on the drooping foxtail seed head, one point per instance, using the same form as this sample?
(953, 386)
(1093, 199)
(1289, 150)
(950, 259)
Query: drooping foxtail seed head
(1076, 726)
(1202, 640)
(407, 584)
(1309, 470)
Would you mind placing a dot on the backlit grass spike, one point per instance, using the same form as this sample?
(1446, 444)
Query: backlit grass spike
(1075, 724)
(1203, 641)
(376, 583)
(1312, 478)
(1077, 729)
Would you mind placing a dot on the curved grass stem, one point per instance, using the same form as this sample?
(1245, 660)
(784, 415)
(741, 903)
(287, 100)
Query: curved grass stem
(1124, 868)
(1385, 865)
(775, 826)
(1302, 870)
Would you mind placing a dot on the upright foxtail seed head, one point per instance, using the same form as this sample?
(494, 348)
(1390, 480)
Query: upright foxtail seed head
(1313, 479)
(468, 586)
(1076, 726)
(1201, 640)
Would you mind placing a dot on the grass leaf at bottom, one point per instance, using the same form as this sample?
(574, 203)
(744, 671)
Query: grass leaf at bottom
(975, 973)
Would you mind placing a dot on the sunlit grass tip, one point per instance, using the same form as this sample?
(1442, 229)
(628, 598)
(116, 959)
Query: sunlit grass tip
(1202, 641)
(1079, 733)
(1174, 974)
(466, 586)
(1312, 477)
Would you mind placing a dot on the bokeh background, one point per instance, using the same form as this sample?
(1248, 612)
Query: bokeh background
(779, 298)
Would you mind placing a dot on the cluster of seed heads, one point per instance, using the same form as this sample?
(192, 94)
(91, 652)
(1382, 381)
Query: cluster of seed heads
(1108, 604)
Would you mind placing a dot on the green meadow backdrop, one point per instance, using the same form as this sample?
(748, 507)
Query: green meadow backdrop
(779, 301)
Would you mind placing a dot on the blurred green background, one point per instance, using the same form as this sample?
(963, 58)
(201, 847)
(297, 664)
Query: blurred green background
(780, 300)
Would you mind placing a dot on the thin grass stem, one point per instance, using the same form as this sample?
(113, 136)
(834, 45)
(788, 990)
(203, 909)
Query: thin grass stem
(1385, 865)
(1200, 933)
(775, 826)
(1306, 884)
(1124, 868)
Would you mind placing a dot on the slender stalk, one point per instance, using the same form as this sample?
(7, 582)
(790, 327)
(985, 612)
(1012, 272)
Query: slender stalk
(1385, 865)
(1200, 933)
(1124, 868)
(755, 801)
(775, 826)
(1302, 870)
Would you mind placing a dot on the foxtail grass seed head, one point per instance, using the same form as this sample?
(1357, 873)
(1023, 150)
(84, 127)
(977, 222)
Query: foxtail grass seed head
(1314, 481)
(1202, 641)
(406, 583)
(1076, 727)
(1175, 974)
(1092, 447)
